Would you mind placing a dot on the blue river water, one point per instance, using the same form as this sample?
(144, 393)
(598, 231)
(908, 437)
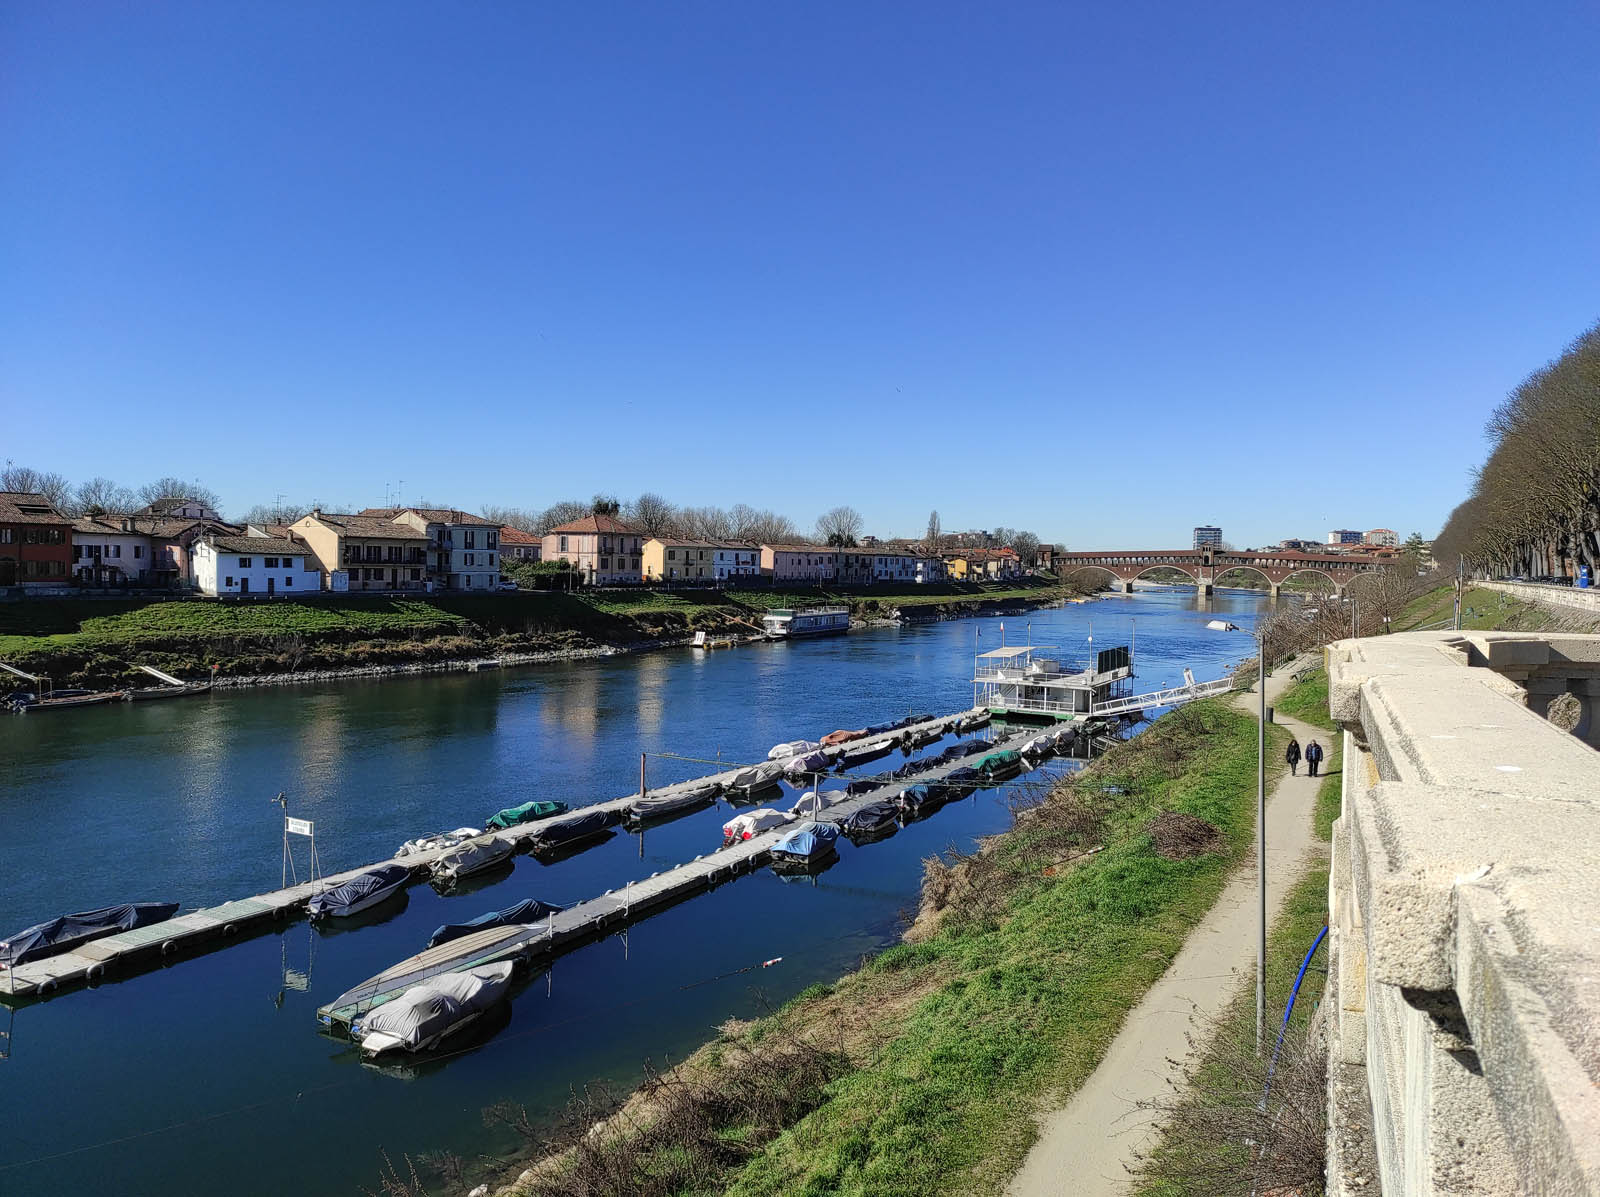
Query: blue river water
(211, 1075)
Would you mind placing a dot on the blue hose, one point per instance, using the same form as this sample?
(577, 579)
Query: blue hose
(1289, 1009)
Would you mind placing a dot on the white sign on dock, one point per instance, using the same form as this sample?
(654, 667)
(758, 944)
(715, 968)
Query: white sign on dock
(299, 826)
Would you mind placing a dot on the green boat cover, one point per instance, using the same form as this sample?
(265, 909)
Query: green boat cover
(997, 762)
(528, 812)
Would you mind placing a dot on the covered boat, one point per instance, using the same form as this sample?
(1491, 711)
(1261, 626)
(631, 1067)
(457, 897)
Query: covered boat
(807, 842)
(528, 812)
(912, 768)
(1005, 763)
(757, 777)
(861, 754)
(1039, 746)
(916, 799)
(424, 1014)
(474, 856)
(874, 819)
(792, 748)
(972, 722)
(814, 802)
(1064, 737)
(530, 910)
(810, 762)
(439, 839)
(865, 785)
(836, 738)
(67, 931)
(963, 778)
(359, 893)
(752, 823)
(578, 828)
(646, 809)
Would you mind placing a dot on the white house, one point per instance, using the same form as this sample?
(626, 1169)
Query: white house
(735, 560)
(930, 569)
(106, 549)
(254, 565)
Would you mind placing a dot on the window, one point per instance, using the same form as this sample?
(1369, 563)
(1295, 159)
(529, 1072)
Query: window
(416, 575)
(472, 540)
(288, 579)
(138, 551)
(228, 581)
(636, 565)
(116, 550)
(605, 563)
(672, 554)
(270, 562)
(563, 544)
(493, 540)
(8, 534)
(244, 562)
(469, 558)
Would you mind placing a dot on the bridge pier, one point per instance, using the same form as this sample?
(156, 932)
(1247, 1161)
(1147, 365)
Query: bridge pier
(1276, 588)
(1127, 586)
(1205, 589)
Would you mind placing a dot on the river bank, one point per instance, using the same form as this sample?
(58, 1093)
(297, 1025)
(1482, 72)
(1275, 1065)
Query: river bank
(98, 644)
(922, 1069)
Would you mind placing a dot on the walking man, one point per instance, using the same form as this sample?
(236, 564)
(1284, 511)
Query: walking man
(1313, 757)
(1292, 755)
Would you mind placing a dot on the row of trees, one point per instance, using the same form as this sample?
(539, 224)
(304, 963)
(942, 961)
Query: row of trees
(99, 496)
(1535, 502)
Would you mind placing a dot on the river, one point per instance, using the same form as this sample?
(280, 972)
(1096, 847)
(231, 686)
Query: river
(211, 1075)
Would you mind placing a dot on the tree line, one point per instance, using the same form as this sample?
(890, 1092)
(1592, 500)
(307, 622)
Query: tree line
(1535, 502)
(100, 496)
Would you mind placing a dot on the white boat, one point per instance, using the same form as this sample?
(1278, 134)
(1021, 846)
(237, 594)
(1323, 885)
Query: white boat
(1039, 746)
(784, 622)
(814, 802)
(792, 748)
(440, 1006)
(440, 839)
(812, 762)
(471, 857)
(757, 777)
(752, 823)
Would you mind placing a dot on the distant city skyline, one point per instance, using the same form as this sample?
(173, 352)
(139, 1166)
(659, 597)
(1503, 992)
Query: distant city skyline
(1072, 270)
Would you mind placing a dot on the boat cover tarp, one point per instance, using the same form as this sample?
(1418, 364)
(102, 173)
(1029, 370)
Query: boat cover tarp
(912, 768)
(756, 776)
(66, 931)
(914, 797)
(807, 841)
(530, 910)
(816, 801)
(753, 822)
(842, 736)
(579, 827)
(999, 762)
(860, 756)
(528, 812)
(439, 839)
(341, 897)
(655, 808)
(428, 1010)
(470, 857)
(810, 762)
(792, 748)
(862, 785)
(965, 775)
(872, 817)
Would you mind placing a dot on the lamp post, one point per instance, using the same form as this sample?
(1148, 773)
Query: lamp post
(1222, 625)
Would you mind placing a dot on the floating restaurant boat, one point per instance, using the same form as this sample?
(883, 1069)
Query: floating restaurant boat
(425, 1014)
(524, 913)
(359, 893)
(752, 823)
(792, 748)
(473, 857)
(67, 931)
(528, 812)
(439, 839)
(757, 777)
(806, 843)
(565, 833)
(786, 622)
(645, 809)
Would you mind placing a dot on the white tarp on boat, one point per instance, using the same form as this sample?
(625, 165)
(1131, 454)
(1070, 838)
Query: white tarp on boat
(427, 1011)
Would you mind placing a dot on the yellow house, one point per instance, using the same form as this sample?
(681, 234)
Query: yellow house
(671, 559)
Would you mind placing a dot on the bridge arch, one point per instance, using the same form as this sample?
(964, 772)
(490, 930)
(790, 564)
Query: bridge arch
(1338, 586)
(1111, 574)
(1173, 567)
(1246, 569)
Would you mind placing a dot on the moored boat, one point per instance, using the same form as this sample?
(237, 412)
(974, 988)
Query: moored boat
(185, 690)
(851, 757)
(810, 762)
(470, 858)
(806, 843)
(873, 821)
(528, 812)
(757, 777)
(865, 785)
(523, 914)
(60, 700)
(1039, 746)
(564, 833)
(361, 892)
(752, 823)
(67, 931)
(918, 799)
(439, 839)
(836, 738)
(426, 1013)
(647, 809)
(814, 802)
(1005, 763)
(792, 748)
(972, 722)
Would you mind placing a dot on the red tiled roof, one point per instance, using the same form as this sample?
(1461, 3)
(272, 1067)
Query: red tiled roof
(434, 515)
(597, 523)
(510, 535)
(26, 507)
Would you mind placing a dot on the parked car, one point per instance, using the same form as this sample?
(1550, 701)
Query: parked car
(508, 584)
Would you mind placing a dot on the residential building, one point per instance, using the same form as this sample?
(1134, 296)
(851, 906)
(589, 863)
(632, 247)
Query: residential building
(364, 552)
(854, 567)
(731, 559)
(602, 549)
(1344, 536)
(107, 550)
(35, 541)
(179, 509)
(514, 542)
(893, 566)
(930, 569)
(241, 565)
(976, 565)
(1208, 536)
(806, 563)
(677, 559)
(1383, 537)
(463, 549)
(172, 540)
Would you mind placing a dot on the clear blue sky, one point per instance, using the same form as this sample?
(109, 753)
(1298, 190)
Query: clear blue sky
(1104, 270)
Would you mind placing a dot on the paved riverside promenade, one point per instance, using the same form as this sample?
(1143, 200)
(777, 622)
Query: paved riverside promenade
(1085, 1148)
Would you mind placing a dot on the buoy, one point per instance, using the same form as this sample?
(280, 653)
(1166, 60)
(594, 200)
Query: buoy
(94, 972)
(169, 947)
(770, 963)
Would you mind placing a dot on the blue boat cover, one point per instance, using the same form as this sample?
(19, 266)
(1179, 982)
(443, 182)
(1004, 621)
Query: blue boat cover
(530, 910)
(341, 897)
(808, 839)
(66, 931)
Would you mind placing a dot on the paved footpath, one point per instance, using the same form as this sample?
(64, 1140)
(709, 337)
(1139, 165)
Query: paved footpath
(1086, 1148)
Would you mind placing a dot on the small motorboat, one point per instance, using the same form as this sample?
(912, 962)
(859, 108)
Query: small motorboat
(528, 812)
(470, 858)
(523, 914)
(360, 893)
(1005, 763)
(1064, 737)
(439, 839)
(816, 761)
(873, 821)
(752, 823)
(60, 700)
(836, 738)
(183, 690)
(647, 809)
(1039, 746)
(67, 931)
(852, 757)
(918, 799)
(757, 777)
(792, 748)
(564, 833)
(427, 1013)
(972, 721)
(865, 785)
(806, 843)
(912, 768)
(960, 780)
(813, 802)
(916, 739)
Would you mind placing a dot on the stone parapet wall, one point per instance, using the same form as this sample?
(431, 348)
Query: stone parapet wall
(1577, 598)
(1464, 913)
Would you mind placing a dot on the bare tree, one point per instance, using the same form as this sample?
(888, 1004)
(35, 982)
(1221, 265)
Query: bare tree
(51, 485)
(761, 527)
(563, 512)
(652, 515)
(177, 488)
(839, 526)
(102, 496)
(933, 539)
(514, 517)
(705, 523)
(278, 513)
(1027, 546)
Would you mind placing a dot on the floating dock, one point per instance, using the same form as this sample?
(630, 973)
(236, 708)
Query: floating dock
(611, 911)
(198, 931)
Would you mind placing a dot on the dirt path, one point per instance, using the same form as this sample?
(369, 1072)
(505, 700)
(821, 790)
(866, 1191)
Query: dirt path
(1085, 1149)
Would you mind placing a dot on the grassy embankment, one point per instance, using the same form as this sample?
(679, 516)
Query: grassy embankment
(96, 642)
(1201, 1150)
(1024, 963)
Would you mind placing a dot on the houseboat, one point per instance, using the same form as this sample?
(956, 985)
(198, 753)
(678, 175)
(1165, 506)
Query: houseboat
(1033, 681)
(783, 622)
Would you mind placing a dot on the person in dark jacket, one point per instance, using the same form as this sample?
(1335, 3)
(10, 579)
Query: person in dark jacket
(1292, 755)
(1313, 757)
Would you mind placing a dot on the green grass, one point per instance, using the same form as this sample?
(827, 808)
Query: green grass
(1307, 700)
(1025, 1003)
(1481, 610)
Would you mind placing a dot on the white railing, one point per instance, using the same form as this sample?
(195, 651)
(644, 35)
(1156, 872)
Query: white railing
(1163, 698)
